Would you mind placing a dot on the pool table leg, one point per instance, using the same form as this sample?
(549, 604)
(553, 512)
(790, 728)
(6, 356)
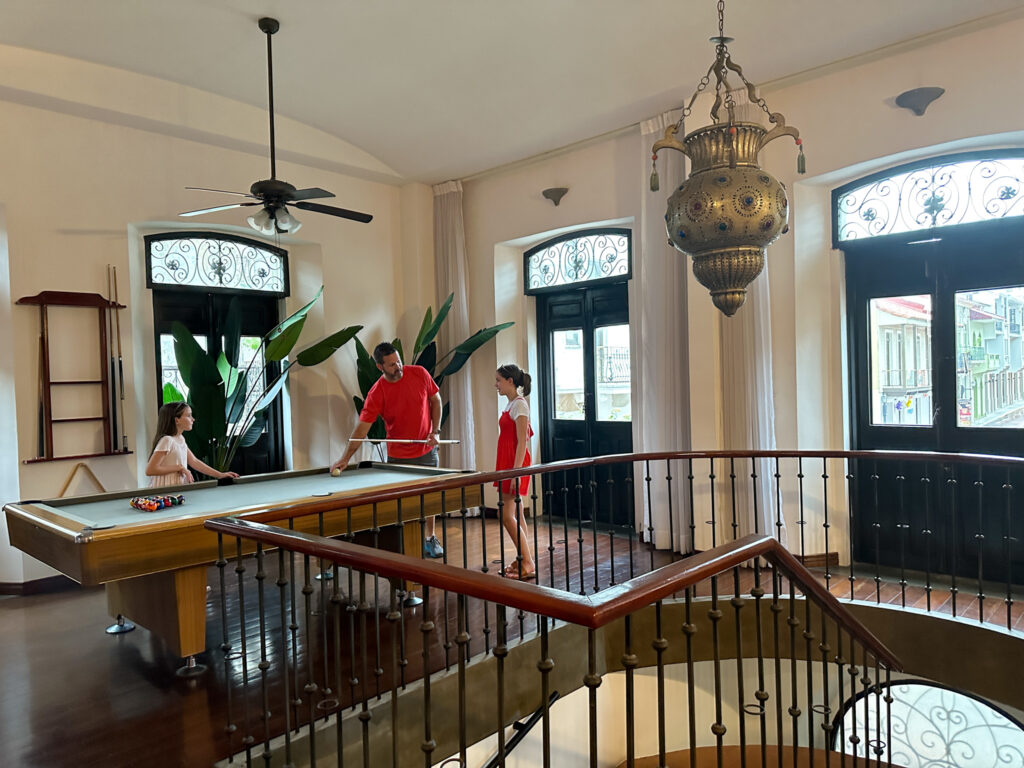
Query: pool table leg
(171, 604)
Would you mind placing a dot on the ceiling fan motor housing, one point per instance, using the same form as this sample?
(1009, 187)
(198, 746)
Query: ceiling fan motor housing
(271, 189)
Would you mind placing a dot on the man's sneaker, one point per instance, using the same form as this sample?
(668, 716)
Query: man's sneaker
(432, 547)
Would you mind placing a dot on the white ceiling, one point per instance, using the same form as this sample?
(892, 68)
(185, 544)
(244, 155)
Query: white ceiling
(441, 89)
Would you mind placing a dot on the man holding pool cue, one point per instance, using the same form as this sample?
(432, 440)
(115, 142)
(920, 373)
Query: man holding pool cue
(407, 398)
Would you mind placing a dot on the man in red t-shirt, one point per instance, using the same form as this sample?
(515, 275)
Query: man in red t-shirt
(406, 397)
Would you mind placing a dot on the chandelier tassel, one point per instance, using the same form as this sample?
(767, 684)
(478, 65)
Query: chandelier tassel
(801, 161)
(655, 184)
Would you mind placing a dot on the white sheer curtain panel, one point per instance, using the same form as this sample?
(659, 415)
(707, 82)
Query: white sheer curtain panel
(749, 413)
(450, 273)
(658, 319)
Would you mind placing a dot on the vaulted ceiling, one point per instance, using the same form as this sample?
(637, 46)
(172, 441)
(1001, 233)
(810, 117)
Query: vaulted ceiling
(440, 89)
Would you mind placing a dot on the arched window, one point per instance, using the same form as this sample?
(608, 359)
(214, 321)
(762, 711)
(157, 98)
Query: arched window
(918, 724)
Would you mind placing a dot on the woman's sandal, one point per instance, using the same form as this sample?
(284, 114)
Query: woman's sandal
(512, 572)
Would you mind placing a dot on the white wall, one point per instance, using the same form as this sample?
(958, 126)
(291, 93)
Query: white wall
(93, 159)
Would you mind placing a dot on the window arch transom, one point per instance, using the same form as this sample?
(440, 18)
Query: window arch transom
(960, 189)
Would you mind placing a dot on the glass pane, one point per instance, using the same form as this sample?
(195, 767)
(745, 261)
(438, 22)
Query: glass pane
(989, 375)
(568, 354)
(612, 373)
(954, 192)
(214, 263)
(901, 360)
(169, 373)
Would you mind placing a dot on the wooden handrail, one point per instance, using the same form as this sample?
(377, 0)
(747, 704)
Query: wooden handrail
(588, 611)
(467, 479)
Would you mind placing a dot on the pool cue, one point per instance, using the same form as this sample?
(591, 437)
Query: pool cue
(120, 365)
(113, 364)
(399, 440)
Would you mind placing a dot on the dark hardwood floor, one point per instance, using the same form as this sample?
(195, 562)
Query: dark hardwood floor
(71, 695)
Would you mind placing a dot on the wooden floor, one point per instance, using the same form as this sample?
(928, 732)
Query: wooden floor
(71, 695)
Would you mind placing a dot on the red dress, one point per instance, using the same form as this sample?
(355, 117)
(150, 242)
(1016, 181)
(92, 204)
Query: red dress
(506, 458)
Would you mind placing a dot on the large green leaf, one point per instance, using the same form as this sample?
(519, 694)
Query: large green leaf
(186, 351)
(294, 318)
(442, 313)
(444, 414)
(279, 346)
(317, 353)
(377, 431)
(461, 353)
(428, 357)
(268, 396)
(235, 401)
(206, 396)
(232, 330)
(424, 327)
(171, 394)
(366, 370)
(397, 344)
(256, 427)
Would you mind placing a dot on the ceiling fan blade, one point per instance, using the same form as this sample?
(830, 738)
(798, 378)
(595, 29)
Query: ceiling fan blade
(312, 193)
(218, 208)
(330, 210)
(221, 191)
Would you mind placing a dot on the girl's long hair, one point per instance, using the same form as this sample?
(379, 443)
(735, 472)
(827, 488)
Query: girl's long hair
(519, 377)
(165, 421)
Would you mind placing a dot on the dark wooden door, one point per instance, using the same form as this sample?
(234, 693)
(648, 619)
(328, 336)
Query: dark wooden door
(585, 397)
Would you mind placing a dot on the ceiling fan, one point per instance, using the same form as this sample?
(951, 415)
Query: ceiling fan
(274, 195)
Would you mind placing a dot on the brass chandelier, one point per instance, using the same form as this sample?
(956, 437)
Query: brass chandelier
(729, 210)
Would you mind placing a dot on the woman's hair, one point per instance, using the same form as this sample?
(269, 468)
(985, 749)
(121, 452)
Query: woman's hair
(165, 420)
(519, 377)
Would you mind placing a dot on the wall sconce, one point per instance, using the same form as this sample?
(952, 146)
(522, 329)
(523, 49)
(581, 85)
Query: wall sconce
(555, 194)
(917, 100)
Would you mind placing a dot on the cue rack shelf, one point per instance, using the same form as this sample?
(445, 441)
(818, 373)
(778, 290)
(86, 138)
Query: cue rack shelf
(103, 307)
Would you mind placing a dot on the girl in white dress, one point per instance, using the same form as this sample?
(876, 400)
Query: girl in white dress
(171, 458)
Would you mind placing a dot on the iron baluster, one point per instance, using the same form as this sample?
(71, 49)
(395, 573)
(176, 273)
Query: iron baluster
(500, 652)
(926, 492)
(980, 538)
(649, 513)
(738, 603)
(579, 525)
(808, 636)
(611, 526)
(776, 610)
(902, 527)
(310, 688)
(378, 670)
(282, 596)
(592, 485)
(713, 522)
(565, 530)
(732, 494)
(876, 526)
(718, 727)
(689, 630)
(801, 520)
(693, 511)
(428, 745)
(225, 643)
(660, 645)
(629, 664)
(951, 483)
(394, 613)
(794, 703)
(825, 523)
(264, 665)
(851, 502)
(1007, 539)
(462, 639)
(760, 695)
(247, 737)
(629, 527)
(549, 502)
(825, 709)
(592, 681)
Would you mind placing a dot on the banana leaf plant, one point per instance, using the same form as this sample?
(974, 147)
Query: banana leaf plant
(424, 353)
(230, 403)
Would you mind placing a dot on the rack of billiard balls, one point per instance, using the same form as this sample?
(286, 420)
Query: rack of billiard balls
(153, 503)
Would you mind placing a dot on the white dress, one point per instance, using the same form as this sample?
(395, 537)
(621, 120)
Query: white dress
(177, 454)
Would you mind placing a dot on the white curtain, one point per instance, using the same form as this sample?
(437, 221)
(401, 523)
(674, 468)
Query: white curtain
(748, 417)
(658, 319)
(450, 276)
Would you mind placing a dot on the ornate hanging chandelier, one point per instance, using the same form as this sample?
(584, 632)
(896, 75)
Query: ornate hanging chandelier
(729, 210)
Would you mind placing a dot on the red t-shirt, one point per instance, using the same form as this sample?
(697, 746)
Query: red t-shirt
(405, 408)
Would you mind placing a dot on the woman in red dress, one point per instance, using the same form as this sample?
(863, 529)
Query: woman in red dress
(514, 435)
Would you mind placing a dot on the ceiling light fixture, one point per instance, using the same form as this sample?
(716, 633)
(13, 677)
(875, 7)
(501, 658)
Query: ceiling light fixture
(729, 210)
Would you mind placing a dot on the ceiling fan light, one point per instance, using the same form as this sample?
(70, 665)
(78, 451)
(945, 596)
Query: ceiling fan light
(262, 222)
(286, 222)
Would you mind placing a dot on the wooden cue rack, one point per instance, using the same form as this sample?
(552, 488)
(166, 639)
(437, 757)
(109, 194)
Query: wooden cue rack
(102, 306)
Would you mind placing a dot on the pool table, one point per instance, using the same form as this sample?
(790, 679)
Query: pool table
(154, 564)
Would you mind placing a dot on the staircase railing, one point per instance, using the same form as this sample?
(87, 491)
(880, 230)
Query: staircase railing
(610, 625)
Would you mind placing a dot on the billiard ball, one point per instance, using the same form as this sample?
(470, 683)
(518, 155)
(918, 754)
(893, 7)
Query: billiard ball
(335, 472)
